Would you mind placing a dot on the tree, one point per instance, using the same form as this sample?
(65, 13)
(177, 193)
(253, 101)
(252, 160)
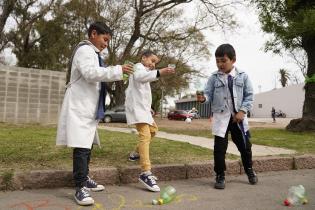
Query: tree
(292, 22)
(299, 57)
(47, 41)
(6, 8)
(284, 77)
(160, 26)
(26, 39)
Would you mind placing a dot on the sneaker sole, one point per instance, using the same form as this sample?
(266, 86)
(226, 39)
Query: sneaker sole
(148, 187)
(84, 203)
(219, 188)
(97, 189)
(133, 160)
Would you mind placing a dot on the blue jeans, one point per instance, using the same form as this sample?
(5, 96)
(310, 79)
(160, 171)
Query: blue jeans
(81, 161)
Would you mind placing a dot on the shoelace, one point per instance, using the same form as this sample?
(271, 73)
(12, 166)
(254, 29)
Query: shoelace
(85, 192)
(152, 179)
(251, 173)
(92, 181)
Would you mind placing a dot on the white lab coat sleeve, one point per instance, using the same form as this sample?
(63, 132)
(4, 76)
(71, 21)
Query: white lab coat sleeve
(142, 75)
(87, 62)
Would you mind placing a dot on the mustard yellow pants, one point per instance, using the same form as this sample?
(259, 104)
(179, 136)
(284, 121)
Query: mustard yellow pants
(146, 133)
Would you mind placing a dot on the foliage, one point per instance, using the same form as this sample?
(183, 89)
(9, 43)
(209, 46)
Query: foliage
(284, 77)
(288, 21)
(47, 31)
(292, 22)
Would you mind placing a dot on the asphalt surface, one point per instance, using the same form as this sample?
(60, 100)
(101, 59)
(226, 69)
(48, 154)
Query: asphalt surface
(192, 194)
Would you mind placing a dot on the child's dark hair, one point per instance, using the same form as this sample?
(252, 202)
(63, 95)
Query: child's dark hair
(147, 53)
(100, 28)
(225, 49)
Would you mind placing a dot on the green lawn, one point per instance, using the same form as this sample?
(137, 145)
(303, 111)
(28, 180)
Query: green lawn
(29, 147)
(303, 142)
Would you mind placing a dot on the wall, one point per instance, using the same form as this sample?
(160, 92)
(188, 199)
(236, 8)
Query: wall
(189, 103)
(289, 99)
(30, 95)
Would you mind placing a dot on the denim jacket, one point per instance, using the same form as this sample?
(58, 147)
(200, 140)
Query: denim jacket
(216, 92)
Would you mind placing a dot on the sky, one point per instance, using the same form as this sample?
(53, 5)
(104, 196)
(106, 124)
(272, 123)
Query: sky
(248, 41)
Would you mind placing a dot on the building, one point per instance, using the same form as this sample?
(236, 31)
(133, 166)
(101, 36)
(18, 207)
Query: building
(289, 100)
(189, 103)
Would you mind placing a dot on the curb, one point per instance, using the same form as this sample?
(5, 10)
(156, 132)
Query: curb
(63, 178)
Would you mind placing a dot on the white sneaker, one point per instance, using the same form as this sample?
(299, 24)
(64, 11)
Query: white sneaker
(92, 185)
(149, 181)
(83, 197)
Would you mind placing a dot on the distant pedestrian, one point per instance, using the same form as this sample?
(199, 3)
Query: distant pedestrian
(273, 114)
(83, 106)
(138, 111)
(230, 93)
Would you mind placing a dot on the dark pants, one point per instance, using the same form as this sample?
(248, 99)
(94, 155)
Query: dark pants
(81, 161)
(240, 139)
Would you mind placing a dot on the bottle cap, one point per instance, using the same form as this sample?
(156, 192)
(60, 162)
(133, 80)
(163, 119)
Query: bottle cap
(286, 202)
(155, 202)
(160, 201)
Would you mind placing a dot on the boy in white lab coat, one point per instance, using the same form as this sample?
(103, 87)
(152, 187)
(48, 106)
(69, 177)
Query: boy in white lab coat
(138, 112)
(83, 106)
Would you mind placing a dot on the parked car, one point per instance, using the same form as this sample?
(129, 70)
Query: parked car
(116, 114)
(179, 115)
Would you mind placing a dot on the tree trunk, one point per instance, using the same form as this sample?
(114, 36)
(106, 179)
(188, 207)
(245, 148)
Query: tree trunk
(119, 94)
(307, 122)
(7, 8)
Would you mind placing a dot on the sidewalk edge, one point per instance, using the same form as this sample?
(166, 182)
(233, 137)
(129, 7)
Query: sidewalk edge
(63, 178)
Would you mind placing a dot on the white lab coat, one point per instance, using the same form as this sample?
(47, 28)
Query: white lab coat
(77, 126)
(138, 95)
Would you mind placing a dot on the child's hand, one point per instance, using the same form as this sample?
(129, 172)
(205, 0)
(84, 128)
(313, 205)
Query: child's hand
(167, 70)
(239, 117)
(127, 68)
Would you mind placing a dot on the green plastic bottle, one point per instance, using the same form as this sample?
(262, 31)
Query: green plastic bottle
(166, 196)
(126, 76)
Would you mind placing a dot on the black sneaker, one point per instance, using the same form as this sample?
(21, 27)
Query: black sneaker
(252, 177)
(92, 185)
(149, 181)
(83, 197)
(134, 156)
(219, 182)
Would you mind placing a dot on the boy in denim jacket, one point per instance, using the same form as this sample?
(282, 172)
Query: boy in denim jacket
(230, 93)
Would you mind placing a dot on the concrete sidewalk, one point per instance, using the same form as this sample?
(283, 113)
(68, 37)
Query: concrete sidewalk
(258, 150)
(192, 194)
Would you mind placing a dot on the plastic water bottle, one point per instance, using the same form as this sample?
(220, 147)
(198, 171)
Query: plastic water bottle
(166, 196)
(126, 76)
(296, 196)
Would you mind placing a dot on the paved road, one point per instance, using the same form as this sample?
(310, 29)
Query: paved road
(258, 150)
(192, 194)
